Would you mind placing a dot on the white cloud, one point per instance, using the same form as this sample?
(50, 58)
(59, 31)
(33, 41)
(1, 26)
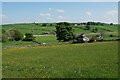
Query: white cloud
(50, 9)
(49, 18)
(88, 13)
(60, 10)
(48, 14)
(112, 12)
(61, 17)
(3, 16)
(42, 14)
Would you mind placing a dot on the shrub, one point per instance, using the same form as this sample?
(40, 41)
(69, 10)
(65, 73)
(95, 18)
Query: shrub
(44, 24)
(15, 35)
(29, 37)
(111, 35)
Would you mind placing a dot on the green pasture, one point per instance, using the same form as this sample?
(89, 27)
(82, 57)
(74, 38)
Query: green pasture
(49, 37)
(15, 43)
(27, 28)
(107, 27)
(87, 60)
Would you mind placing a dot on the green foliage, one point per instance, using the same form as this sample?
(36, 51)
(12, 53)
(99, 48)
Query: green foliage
(87, 27)
(64, 31)
(29, 37)
(96, 29)
(111, 35)
(15, 35)
(111, 23)
(5, 38)
(44, 24)
(51, 24)
(4, 32)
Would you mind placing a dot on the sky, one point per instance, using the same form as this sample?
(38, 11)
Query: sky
(50, 12)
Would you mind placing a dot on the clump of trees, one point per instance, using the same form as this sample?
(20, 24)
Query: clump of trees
(29, 37)
(11, 35)
(44, 24)
(64, 31)
(15, 35)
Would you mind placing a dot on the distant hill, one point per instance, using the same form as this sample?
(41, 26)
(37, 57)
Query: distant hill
(41, 28)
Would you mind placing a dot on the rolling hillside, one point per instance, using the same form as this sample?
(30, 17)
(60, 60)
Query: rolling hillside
(40, 28)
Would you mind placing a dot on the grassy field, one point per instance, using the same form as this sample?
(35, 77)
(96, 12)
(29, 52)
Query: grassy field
(108, 27)
(45, 37)
(15, 43)
(40, 39)
(88, 60)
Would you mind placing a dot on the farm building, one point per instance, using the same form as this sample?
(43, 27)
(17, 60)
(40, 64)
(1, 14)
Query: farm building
(82, 38)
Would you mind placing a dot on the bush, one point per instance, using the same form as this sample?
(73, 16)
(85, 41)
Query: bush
(29, 37)
(111, 35)
(15, 35)
(44, 24)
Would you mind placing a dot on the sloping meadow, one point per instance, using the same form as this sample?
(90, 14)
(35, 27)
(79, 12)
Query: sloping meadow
(89, 60)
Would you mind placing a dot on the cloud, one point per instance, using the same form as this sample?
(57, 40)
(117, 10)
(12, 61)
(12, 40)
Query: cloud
(112, 12)
(49, 18)
(88, 13)
(42, 14)
(61, 17)
(3, 16)
(48, 14)
(60, 10)
(50, 9)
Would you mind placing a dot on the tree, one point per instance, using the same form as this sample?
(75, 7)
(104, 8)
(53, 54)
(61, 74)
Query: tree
(51, 25)
(29, 37)
(88, 23)
(64, 31)
(87, 27)
(44, 24)
(111, 23)
(96, 29)
(15, 35)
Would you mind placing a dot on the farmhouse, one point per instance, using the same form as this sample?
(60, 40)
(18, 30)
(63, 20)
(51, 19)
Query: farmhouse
(83, 38)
